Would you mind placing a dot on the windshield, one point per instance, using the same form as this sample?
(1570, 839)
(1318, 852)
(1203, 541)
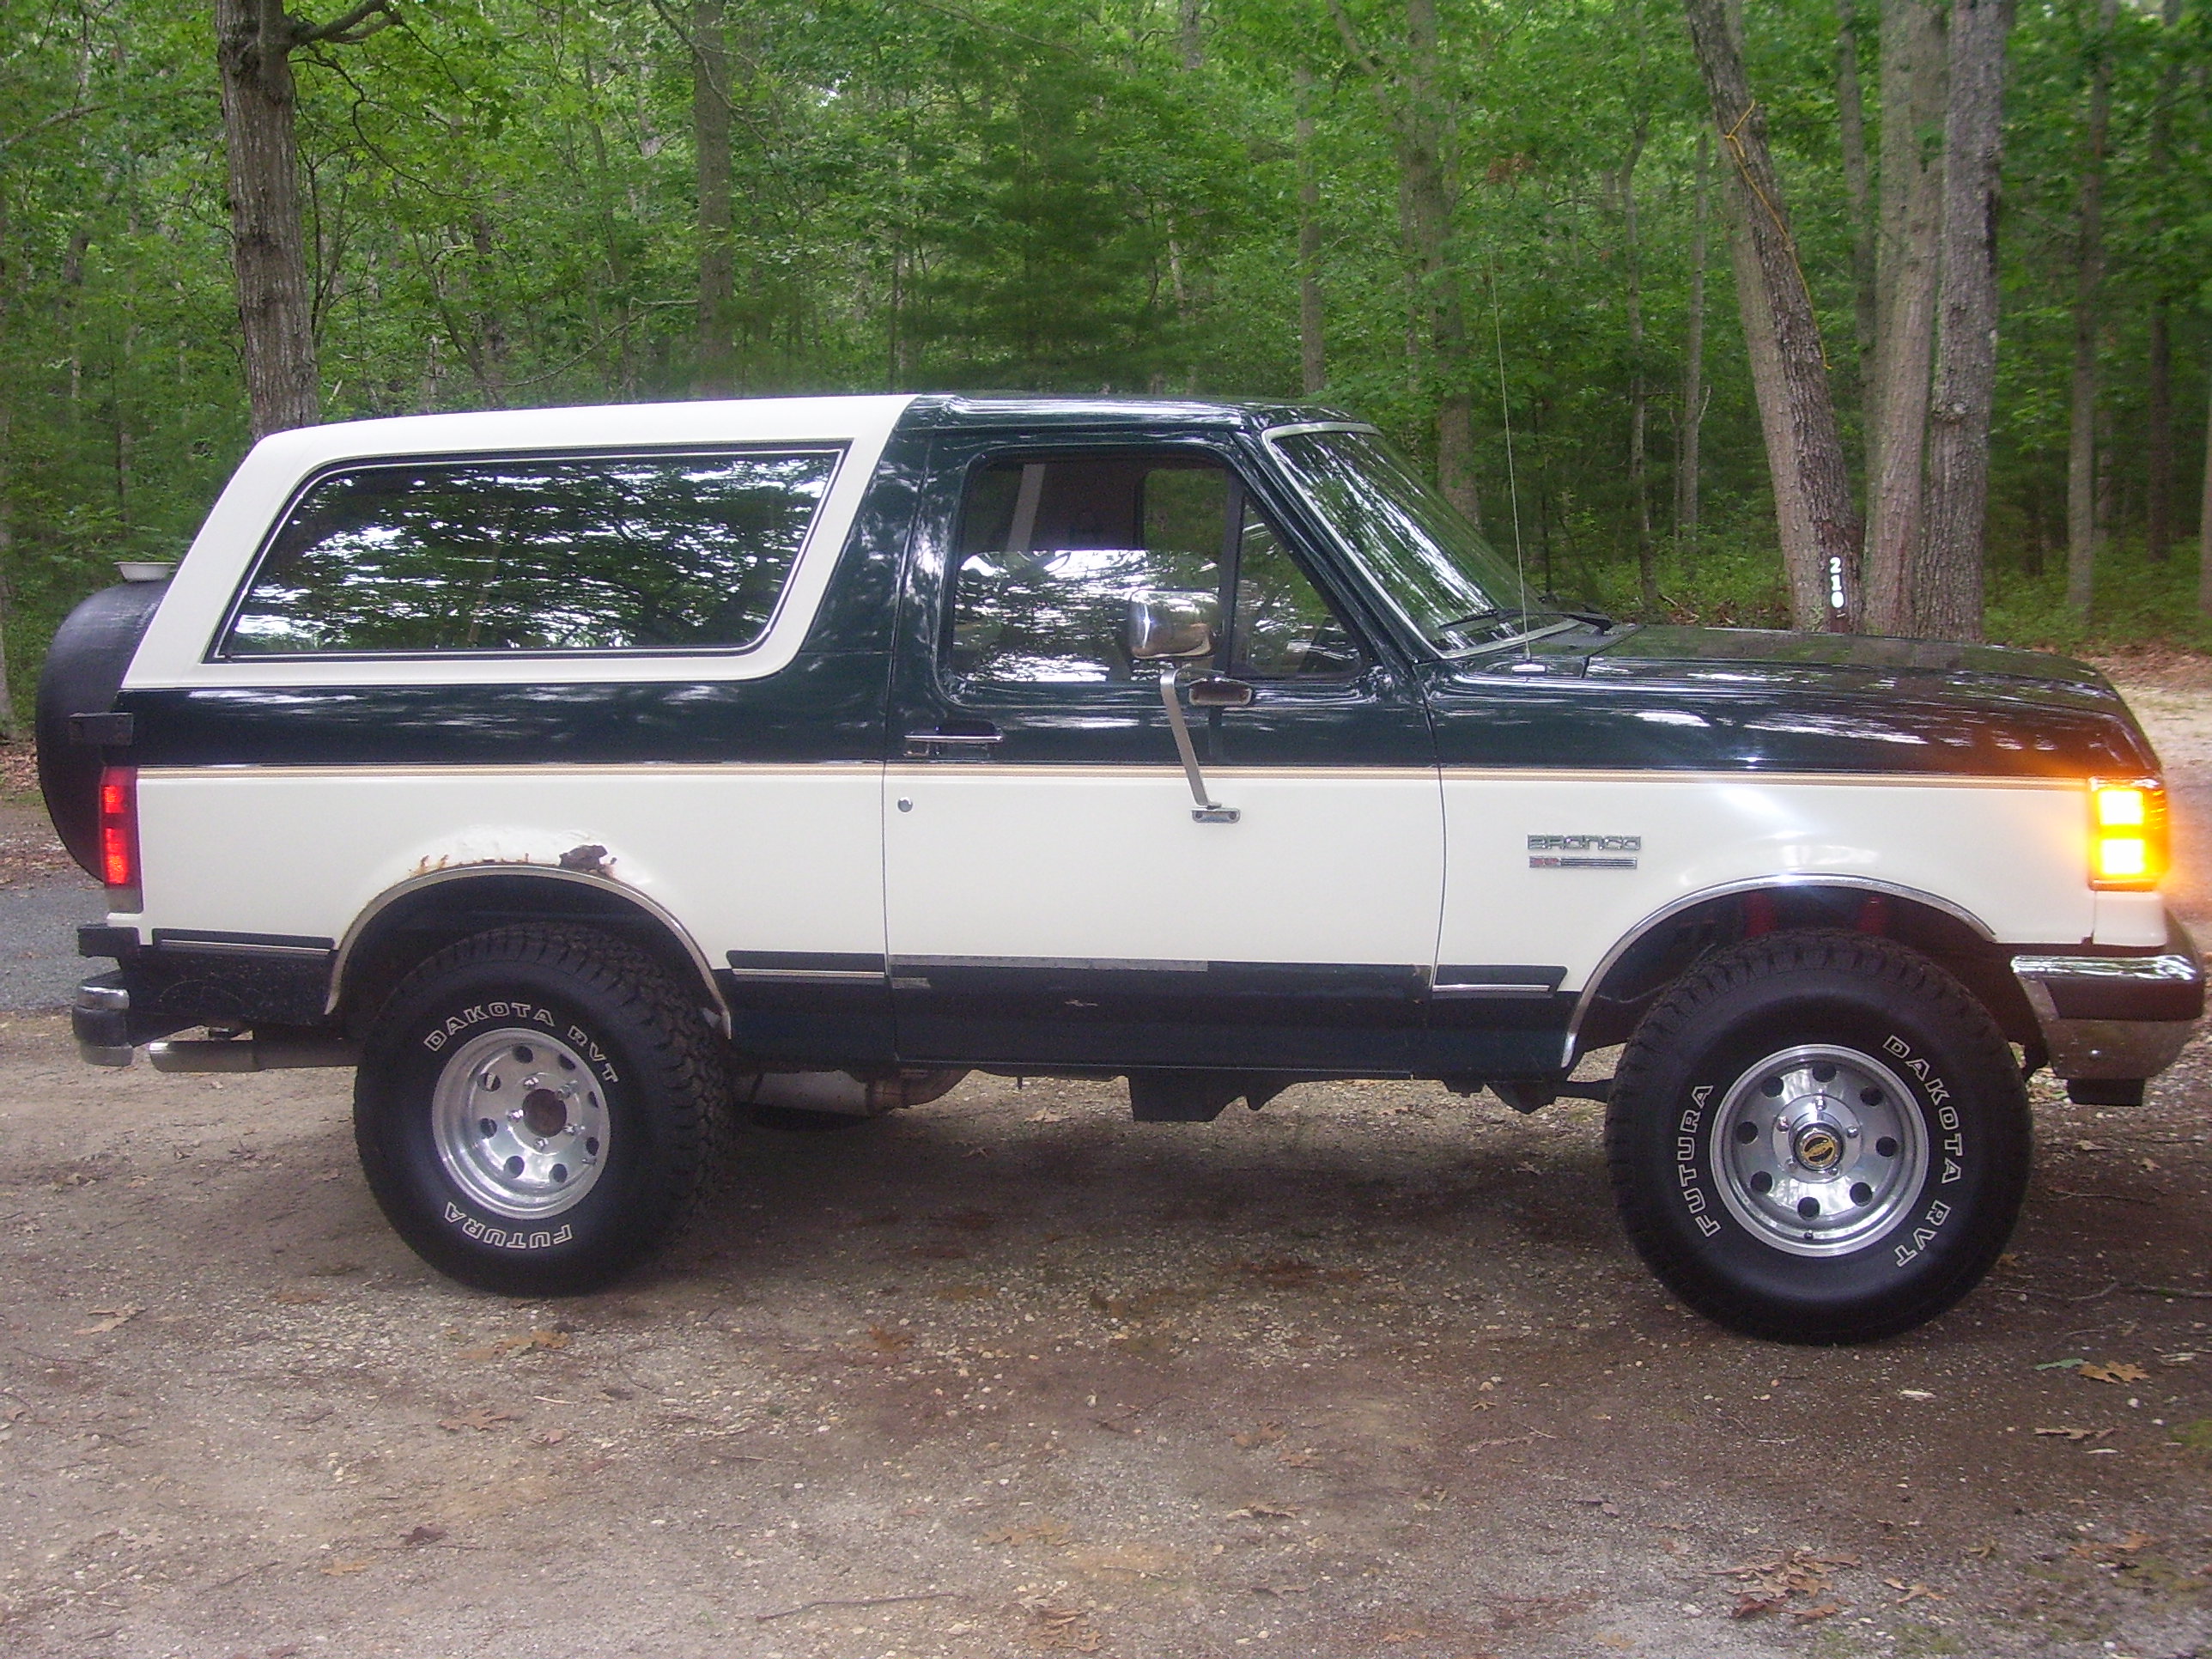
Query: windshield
(1414, 544)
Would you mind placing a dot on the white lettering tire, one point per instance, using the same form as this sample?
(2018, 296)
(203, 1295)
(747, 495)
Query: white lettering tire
(1818, 1137)
(536, 1109)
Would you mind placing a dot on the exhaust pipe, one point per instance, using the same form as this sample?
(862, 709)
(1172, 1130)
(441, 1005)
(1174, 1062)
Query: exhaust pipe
(274, 1051)
(847, 1094)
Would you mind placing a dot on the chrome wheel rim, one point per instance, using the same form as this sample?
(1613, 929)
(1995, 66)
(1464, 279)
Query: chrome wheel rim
(1819, 1151)
(519, 1123)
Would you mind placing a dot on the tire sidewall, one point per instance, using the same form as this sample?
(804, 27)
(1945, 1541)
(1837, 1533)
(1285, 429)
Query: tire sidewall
(1972, 1112)
(620, 1217)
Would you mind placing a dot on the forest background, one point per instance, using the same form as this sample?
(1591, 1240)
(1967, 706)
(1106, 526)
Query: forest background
(1502, 231)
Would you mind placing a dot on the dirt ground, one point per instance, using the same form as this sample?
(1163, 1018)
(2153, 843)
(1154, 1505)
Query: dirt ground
(1371, 1372)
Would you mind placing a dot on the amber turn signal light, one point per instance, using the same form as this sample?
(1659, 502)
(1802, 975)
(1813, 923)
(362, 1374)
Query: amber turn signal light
(2127, 834)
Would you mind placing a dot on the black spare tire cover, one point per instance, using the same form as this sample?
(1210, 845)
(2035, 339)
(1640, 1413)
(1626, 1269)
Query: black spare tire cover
(84, 669)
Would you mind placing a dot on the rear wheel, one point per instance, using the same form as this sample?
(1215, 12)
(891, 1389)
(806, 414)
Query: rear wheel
(1819, 1138)
(536, 1107)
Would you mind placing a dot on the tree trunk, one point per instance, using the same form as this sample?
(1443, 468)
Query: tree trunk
(2158, 502)
(254, 46)
(1947, 585)
(7, 723)
(1904, 318)
(1851, 133)
(2088, 279)
(2158, 493)
(716, 370)
(1425, 136)
(1313, 362)
(2204, 515)
(1804, 450)
(1191, 38)
(1647, 574)
(1690, 426)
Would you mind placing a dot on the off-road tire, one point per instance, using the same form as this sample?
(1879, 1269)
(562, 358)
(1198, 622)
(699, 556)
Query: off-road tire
(1719, 1091)
(597, 1018)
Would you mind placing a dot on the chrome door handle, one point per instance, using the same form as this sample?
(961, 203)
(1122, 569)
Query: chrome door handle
(933, 745)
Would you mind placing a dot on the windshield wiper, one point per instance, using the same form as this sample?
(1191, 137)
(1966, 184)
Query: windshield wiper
(1495, 614)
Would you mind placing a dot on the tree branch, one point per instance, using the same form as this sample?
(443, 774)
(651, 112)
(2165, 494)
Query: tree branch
(349, 28)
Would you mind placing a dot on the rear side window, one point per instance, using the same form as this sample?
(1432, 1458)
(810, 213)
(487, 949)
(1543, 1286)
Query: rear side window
(629, 553)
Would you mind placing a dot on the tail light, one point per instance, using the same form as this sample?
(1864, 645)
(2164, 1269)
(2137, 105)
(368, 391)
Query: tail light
(2127, 834)
(118, 827)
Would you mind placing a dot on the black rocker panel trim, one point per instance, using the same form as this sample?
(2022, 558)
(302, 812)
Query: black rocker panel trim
(807, 964)
(814, 1021)
(267, 944)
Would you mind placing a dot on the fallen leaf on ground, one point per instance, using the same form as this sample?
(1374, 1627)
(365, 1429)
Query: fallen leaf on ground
(1045, 1531)
(888, 1341)
(338, 1569)
(1047, 1115)
(1299, 1460)
(1054, 1625)
(1826, 1610)
(506, 1346)
(2118, 1372)
(1280, 1589)
(2059, 1364)
(1982, 1552)
(1264, 1512)
(2110, 1554)
(1403, 1633)
(292, 1298)
(425, 1534)
(481, 1417)
(108, 1318)
(1750, 1606)
(1266, 1434)
(1915, 1592)
(550, 1437)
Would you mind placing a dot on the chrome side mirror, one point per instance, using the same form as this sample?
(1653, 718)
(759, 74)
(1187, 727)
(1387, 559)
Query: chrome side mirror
(1161, 627)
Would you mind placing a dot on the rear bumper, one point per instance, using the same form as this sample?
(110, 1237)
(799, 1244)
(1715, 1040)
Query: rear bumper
(2113, 1016)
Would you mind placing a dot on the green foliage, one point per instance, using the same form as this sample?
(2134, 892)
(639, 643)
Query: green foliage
(1040, 194)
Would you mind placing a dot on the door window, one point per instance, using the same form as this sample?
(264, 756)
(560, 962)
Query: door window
(1051, 551)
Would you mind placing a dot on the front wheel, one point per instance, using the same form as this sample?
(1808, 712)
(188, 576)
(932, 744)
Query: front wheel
(1819, 1138)
(535, 1108)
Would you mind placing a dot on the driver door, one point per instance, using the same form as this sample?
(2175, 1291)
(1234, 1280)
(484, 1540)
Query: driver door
(1055, 894)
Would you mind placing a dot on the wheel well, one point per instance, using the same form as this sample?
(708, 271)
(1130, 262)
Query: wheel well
(418, 923)
(1669, 949)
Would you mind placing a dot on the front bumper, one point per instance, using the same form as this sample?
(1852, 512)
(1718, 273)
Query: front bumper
(2115, 1017)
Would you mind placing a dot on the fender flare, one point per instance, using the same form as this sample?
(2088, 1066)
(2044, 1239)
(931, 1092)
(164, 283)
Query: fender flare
(651, 908)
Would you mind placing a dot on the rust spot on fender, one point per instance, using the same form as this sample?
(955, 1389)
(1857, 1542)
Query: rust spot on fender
(590, 859)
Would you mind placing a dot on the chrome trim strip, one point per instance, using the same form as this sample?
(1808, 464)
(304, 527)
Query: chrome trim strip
(1571, 1049)
(659, 912)
(224, 947)
(1515, 989)
(522, 769)
(1739, 778)
(873, 977)
(903, 965)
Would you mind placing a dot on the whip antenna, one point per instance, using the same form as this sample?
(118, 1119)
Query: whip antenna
(1505, 418)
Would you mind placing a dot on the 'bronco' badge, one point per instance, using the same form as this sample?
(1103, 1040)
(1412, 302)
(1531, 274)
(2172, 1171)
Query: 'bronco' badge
(1583, 852)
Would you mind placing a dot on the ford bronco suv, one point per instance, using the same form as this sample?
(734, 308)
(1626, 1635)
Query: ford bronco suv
(586, 777)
